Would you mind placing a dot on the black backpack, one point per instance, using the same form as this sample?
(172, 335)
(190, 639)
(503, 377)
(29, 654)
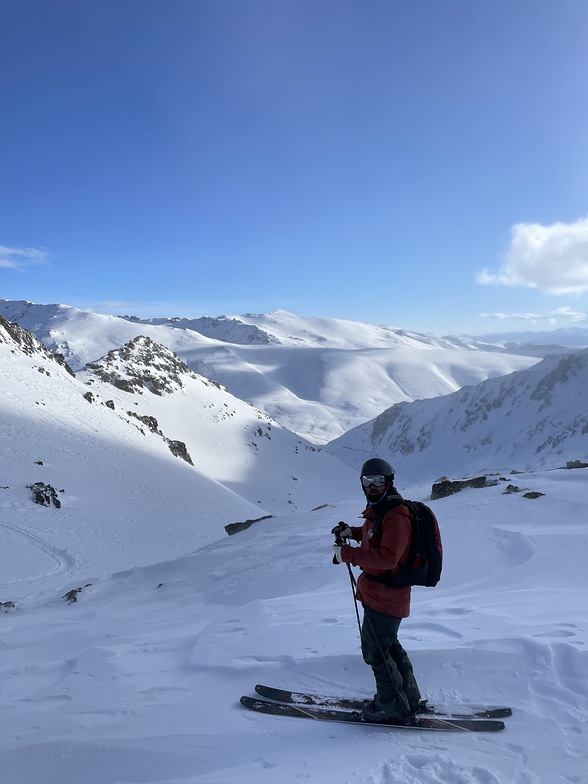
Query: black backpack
(425, 557)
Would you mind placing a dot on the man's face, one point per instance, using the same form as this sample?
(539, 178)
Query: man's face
(374, 487)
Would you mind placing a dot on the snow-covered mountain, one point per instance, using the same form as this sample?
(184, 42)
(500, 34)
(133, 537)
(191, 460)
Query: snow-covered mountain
(224, 328)
(115, 676)
(83, 336)
(317, 377)
(529, 419)
(139, 449)
(230, 441)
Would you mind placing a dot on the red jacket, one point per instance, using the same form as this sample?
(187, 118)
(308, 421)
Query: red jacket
(378, 555)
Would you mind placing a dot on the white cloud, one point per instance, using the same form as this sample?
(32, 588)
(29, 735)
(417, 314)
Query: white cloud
(556, 316)
(20, 258)
(553, 259)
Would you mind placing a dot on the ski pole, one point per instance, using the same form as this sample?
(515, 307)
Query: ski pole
(353, 591)
(339, 541)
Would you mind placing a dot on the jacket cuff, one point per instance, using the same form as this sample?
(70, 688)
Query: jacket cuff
(347, 554)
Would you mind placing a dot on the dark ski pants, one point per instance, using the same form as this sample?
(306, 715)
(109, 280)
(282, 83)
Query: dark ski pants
(397, 689)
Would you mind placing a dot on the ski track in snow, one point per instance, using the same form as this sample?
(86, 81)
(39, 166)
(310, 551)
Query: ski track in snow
(65, 563)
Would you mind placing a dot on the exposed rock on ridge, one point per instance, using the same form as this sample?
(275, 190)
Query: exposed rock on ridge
(142, 365)
(28, 343)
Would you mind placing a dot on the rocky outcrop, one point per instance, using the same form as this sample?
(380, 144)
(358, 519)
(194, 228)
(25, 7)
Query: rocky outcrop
(45, 495)
(142, 365)
(29, 344)
(150, 422)
(512, 489)
(234, 528)
(177, 448)
(444, 487)
(72, 596)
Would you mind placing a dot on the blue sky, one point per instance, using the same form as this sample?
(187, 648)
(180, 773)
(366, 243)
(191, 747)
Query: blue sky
(416, 163)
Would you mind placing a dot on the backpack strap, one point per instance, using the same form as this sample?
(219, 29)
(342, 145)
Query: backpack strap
(401, 578)
(391, 504)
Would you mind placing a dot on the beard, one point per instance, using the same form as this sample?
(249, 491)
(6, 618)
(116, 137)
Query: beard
(375, 494)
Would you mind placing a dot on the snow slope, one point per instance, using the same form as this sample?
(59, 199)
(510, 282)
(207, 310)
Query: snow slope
(528, 419)
(139, 680)
(128, 499)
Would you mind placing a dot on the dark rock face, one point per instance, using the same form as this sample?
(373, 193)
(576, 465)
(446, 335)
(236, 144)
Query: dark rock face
(179, 449)
(149, 421)
(45, 495)
(444, 487)
(234, 528)
(576, 464)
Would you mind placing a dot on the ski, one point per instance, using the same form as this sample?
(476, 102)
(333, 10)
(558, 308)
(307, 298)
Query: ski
(302, 698)
(355, 717)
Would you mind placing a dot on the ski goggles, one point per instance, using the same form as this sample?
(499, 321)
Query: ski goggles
(378, 480)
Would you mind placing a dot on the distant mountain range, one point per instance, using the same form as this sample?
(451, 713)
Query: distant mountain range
(138, 415)
(317, 377)
(569, 337)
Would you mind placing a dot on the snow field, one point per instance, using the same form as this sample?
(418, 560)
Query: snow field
(139, 680)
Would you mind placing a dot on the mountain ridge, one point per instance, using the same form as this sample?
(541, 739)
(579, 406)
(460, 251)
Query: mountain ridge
(529, 419)
(317, 377)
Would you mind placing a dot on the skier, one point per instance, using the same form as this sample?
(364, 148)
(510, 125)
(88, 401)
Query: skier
(381, 549)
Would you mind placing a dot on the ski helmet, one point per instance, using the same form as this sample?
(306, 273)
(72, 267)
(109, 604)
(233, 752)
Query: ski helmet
(375, 465)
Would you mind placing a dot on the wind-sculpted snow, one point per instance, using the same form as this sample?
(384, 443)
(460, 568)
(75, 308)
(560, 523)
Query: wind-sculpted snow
(139, 680)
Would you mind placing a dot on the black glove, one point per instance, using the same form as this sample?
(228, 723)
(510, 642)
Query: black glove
(342, 531)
